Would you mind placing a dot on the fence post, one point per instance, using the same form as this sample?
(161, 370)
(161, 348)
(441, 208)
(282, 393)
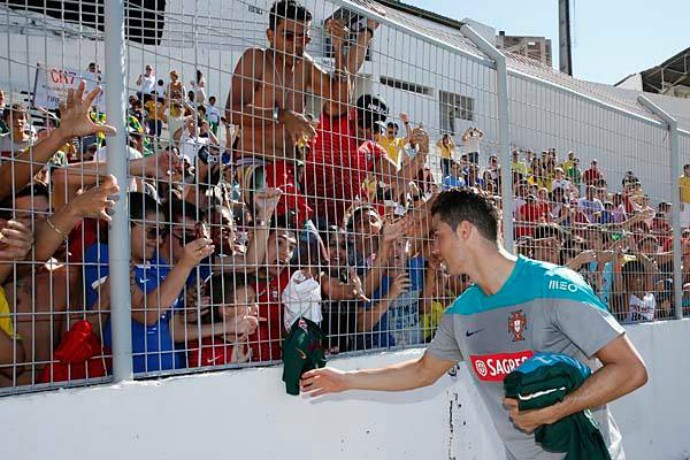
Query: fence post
(674, 171)
(118, 233)
(503, 130)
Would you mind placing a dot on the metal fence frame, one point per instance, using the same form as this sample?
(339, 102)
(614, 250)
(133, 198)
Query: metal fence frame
(116, 55)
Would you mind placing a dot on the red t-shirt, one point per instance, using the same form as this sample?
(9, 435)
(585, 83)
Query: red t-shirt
(267, 342)
(337, 167)
(528, 215)
(630, 207)
(85, 234)
(214, 351)
(590, 176)
(531, 212)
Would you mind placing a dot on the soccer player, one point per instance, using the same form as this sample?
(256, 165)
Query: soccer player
(516, 308)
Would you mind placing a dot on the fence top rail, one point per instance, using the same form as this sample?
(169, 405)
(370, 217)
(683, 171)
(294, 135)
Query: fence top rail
(455, 41)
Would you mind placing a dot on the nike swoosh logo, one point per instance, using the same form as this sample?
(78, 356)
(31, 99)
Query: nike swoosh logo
(213, 360)
(539, 394)
(471, 333)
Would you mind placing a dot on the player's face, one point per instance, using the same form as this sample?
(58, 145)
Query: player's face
(448, 246)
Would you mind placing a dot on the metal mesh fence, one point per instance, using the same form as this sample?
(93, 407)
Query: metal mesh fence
(281, 161)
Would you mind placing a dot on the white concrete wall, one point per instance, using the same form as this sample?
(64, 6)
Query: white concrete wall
(246, 414)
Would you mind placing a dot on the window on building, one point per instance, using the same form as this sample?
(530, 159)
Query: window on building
(406, 86)
(144, 19)
(453, 107)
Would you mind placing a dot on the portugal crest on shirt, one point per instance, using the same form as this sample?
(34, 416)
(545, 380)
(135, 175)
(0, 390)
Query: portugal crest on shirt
(517, 324)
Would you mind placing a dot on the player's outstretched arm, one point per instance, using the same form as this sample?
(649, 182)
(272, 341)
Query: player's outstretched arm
(398, 377)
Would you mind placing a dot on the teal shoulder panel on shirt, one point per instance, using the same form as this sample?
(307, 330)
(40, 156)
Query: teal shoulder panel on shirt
(566, 284)
(530, 280)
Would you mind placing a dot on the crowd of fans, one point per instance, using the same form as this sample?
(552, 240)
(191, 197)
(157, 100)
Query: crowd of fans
(247, 220)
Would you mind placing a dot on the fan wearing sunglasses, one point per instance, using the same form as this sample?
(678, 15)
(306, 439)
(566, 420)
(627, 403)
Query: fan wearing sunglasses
(156, 284)
(267, 99)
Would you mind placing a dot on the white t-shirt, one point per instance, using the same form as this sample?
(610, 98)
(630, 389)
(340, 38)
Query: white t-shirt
(175, 123)
(518, 202)
(213, 114)
(189, 146)
(10, 149)
(148, 84)
(563, 183)
(472, 143)
(641, 309)
(301, 298)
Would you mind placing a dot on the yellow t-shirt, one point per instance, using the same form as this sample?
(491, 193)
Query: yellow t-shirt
(5, 315)
(567, 164)
(430, 321)
(684, 184)
(520, 167)
(155, 110)
(445, 151)
(392, 147)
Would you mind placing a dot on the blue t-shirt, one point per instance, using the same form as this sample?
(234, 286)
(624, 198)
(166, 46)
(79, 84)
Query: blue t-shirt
(152, 346)
(606, 218)
(450, 182)
(399, 326)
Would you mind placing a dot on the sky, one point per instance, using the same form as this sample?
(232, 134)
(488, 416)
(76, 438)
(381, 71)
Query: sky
(611, 38)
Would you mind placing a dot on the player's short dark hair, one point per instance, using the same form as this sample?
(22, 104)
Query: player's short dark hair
(455, 206)
(287, 9)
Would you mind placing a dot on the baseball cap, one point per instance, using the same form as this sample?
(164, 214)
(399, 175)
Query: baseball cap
(371, 110)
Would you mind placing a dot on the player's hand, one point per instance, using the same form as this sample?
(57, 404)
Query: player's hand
(319, 382)
(297, 126)
(529, 420)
